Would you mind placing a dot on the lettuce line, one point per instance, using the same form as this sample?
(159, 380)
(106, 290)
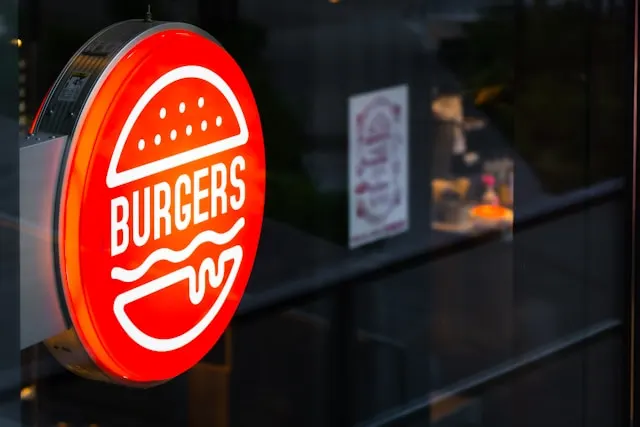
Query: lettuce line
(165, 254)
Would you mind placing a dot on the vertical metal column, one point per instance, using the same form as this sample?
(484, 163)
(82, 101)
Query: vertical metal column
(342, 363)
(631, 401)
(9, 212)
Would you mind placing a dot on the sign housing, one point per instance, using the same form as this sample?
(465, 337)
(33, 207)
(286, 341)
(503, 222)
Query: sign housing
(158, 203)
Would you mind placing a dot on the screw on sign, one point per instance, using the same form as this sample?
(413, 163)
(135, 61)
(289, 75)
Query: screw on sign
(161, 206)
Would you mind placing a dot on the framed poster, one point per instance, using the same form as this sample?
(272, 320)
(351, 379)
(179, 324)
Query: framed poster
(378, 165)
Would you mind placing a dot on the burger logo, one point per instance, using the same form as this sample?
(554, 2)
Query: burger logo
(151, 213)
(162, 206)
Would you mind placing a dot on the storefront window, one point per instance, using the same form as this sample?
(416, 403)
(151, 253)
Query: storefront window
(442, 242)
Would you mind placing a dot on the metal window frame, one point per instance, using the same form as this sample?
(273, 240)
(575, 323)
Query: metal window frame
(344, 326)
(342, 291)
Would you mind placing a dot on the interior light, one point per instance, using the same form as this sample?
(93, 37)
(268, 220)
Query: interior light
(28, 393)
(16, 42)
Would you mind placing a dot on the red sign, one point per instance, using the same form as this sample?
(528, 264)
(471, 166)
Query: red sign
(161, 206)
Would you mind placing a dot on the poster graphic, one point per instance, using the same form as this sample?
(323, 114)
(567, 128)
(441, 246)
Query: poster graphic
(378, 165)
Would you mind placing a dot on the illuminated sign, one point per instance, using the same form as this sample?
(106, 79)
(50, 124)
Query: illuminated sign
(161, 199)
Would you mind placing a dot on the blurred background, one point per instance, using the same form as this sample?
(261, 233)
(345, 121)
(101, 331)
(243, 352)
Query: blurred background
(519, 326)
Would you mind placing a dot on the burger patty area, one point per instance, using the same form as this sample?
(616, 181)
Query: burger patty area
(157, 211)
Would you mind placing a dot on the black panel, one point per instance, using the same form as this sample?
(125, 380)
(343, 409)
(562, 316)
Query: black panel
(63, 105)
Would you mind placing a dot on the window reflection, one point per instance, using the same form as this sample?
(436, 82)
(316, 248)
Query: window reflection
(471, 191)
(508, 109)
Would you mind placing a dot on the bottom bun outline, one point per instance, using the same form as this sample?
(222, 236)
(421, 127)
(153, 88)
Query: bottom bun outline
(160, 345)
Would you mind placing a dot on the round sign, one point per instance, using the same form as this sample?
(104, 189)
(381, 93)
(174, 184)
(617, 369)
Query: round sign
(161, 204)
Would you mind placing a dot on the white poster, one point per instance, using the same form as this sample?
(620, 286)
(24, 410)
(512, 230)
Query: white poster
(378, 165)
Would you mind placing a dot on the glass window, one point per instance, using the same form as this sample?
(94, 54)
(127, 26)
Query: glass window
(442, 242)
(474, 317)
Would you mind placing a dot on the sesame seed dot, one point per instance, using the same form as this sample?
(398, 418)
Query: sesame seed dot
(157, 139)
(141, 144)
(203, 125)
(173, 135)
(218, 121)
(201, 102)
(182, 107)
(189, 130)
(163, 113)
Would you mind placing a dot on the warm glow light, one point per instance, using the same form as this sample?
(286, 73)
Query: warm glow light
(488, 94)
(16, 42)
(491, 213)
(39, 112)
(28, 393)
(146, 300)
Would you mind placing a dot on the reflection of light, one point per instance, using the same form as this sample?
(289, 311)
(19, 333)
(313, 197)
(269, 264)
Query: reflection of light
(16, 42)
(28, 393)
(488, 93)
(492, 213)
(62, 424)
(334, 1)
